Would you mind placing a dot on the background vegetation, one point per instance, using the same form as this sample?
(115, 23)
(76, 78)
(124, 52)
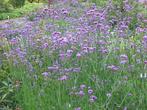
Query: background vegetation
(17, 8)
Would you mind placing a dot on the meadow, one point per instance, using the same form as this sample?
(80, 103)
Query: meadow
(75, 55)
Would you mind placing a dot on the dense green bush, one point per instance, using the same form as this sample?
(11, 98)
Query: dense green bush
(17, 3)
(4, 6)
(19, 12)
(38, 1)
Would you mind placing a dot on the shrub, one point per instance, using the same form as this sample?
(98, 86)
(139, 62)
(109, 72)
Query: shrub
(17, 3)
(38, 1)
(4, 6)
(31, 1)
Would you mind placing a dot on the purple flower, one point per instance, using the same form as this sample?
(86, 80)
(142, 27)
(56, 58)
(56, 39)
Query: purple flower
(78, 108)
(92, 98)
(67, 70)
(101, 42)
(62, 78)
(145, 62)
(53, 68)
(14, 41)
(145, 38)
(90, 91)
(124, 57)
(65, 12)
(69, 53)
(123, 62)
(91, 49)
(62, 56)
(64, 41)
(113, 67)
(78, 55)
(76, 70)
(127, 6)
(139, 29)
(82, 86)
(45, 74)
(45, 45)
(81, 93)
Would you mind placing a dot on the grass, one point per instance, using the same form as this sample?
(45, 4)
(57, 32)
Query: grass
(19, 12)
(54, 95)
(51, 94)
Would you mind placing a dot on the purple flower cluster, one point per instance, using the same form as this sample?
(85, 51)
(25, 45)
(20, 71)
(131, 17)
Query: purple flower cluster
(84, 91)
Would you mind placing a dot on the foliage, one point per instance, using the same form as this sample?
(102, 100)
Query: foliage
(17, 3)
(7, 100)
(19, 12)
(37, 1)
(4, 6)
(7, 94)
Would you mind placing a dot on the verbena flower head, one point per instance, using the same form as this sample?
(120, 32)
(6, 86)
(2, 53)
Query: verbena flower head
(45, 74)
(78, 108)
(53, 68)
(78, 55)
(64, 77)
(92, 98)
(145, 62)
(145, 38)
(45, 45)
(82, 86)
(76, 70)
(113, 67)
(123, 59)
(90, 91)
(81, 93)
(14, 41)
